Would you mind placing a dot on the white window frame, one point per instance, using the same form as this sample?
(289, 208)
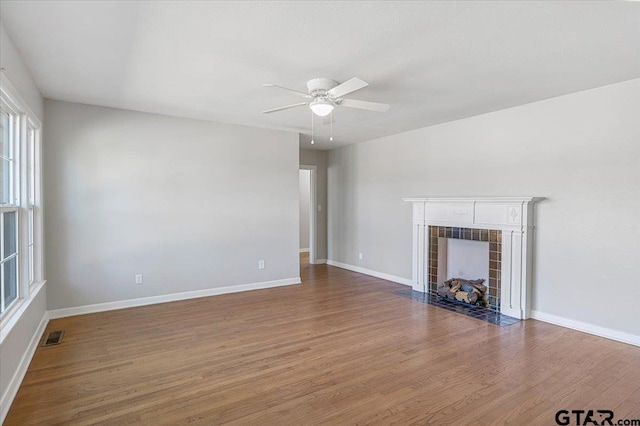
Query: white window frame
(32, 200)
(13, 205)
(25, 200)
(14, 154)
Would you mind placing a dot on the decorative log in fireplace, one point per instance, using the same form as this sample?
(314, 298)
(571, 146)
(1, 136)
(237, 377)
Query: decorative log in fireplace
(463, 290)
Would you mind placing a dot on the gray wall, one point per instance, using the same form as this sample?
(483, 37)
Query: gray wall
(305, 193)
(582, 151)
(18, 74)
(189, 204)
(311, 157)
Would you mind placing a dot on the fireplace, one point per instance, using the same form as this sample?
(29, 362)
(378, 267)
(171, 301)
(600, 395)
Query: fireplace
(478, 256)
(504, 224)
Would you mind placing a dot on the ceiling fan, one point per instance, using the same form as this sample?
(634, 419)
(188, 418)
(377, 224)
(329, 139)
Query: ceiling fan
(325, 94)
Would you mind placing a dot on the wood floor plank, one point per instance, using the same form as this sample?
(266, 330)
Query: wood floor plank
(342, 348)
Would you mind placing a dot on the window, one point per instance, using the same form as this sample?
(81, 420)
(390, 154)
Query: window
(9, 266)
(20, 212)
(10, 141)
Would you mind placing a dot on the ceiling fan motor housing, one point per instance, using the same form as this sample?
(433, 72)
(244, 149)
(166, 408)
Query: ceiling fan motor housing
(320, 86)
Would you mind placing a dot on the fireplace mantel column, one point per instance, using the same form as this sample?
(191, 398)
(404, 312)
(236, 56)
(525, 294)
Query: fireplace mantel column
(419, 273)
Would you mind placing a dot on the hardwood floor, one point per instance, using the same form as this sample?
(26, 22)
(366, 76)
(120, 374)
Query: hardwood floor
(339, 349)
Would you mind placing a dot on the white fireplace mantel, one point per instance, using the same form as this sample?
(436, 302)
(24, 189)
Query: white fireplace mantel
(511, 215)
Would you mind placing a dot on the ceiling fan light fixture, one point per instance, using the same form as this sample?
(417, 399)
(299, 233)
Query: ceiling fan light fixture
(321, 107)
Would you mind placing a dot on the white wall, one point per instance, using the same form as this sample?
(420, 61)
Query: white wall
(581, 151)
(190, 204)
(312, 157)
(25, 326)
(305, 194)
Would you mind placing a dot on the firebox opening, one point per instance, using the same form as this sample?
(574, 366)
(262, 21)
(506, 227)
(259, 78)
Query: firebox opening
(463, 265)
(463, 259)
(466, 254)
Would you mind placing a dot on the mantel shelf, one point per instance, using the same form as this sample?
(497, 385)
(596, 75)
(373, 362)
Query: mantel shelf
(473, 199)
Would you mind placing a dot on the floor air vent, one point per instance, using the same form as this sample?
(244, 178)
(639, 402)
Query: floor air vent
(53, 338)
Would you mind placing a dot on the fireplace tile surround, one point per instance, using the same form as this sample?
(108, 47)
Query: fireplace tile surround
(507, 223)
(492, 236)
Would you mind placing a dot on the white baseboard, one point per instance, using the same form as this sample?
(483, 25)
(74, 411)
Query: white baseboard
(608, 333)
(388, 277)
(320, 261)
(130, 303)
(12, 389)
(304, 250)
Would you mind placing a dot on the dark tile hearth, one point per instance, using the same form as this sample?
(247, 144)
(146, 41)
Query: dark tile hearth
(471, 311)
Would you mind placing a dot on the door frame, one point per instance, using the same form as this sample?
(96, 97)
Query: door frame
(313, 208)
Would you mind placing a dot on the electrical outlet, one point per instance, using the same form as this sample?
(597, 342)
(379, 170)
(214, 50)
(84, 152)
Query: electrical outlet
(360, 256)
(319, 207)
(138, 278)
(260, 264)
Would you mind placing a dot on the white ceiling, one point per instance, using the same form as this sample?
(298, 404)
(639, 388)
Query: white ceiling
(432, 61)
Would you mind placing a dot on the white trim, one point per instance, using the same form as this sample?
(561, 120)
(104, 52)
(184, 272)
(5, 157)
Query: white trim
(12, 389)
(313, 208)
(620, 336)
(304, 250)
(320, 261)
(382, 275)
(164, 298)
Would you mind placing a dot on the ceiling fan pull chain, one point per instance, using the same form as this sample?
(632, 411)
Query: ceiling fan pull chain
(331, 122)
(312, 114)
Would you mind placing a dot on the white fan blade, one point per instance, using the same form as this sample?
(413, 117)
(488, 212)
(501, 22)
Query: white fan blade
(284, 107)
(347, 87)
(304, 95)
(371, 106)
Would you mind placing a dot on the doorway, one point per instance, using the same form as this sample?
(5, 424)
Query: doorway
(307, 189)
